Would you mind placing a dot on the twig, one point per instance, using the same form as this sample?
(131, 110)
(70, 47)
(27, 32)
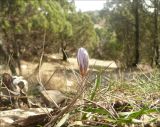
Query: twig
(65, 110)
(39, 76)
(50, 78)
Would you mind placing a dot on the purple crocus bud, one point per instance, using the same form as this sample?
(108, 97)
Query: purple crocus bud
(83, 61)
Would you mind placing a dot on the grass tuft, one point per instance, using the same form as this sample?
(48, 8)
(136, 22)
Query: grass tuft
(123, 102)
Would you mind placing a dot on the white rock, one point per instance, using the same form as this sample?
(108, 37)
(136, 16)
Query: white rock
(10, 116)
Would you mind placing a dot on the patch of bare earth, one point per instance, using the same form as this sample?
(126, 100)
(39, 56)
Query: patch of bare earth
(57, 74)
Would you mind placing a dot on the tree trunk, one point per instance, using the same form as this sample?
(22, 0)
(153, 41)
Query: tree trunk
(155, 35)
(12, 67)
(6, 56)
(16, 56)
(16, 52)
(136, 11)
(64, 55)
(63, 51)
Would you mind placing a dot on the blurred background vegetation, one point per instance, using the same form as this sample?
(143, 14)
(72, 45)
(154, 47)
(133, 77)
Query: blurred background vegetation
(126, 31)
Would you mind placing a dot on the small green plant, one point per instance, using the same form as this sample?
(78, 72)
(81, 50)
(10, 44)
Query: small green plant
(125, 102)
(97, 84)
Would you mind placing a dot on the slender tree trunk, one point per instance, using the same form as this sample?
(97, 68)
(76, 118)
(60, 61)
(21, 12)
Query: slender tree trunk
(63, 52)
(6, 56)
(136, 11)
(64, 55)
(16, 56)
(155, 35)
(12, 67)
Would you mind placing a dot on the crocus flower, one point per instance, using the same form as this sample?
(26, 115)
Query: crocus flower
(83, 61)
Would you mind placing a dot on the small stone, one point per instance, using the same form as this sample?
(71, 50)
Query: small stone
(49, 95)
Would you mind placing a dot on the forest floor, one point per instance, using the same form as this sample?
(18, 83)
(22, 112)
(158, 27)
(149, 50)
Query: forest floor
(111, 98)
(63, 71)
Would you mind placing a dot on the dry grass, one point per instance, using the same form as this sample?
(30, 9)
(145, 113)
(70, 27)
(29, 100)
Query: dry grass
(63, 78)
(109, 101)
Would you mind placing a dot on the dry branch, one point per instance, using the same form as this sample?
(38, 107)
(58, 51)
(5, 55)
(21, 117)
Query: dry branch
(67, 109)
